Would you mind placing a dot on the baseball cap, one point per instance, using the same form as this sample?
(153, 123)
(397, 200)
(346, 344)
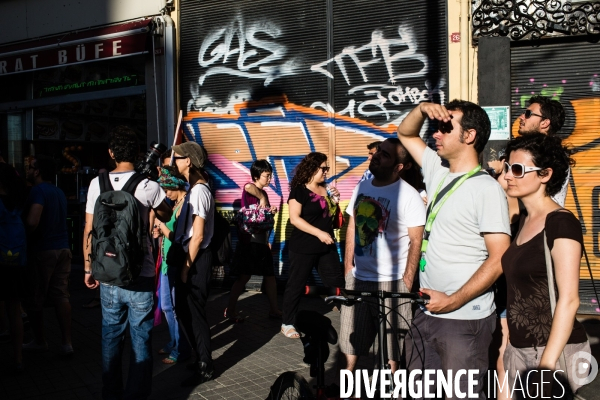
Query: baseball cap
(194, 151)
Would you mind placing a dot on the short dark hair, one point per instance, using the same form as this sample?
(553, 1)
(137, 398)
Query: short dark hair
(47, 167)
(123, 142)
(402, 155)
(546, 152)
(374, 145)
(551, 109)
(412, 175)
(473, 118)
(258, 167)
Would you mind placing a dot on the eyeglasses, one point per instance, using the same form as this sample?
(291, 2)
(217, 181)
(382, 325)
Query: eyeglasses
(324, 169)
(178, 157)
(528, 114)
(519, 170)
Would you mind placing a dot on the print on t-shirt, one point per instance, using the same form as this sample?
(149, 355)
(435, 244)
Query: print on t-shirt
(371, 220)
(326, 204)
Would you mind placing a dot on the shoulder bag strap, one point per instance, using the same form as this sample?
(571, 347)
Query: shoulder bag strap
(449, 186)
(587, 261)
(178, 230)
(104, 181)
(550, 273)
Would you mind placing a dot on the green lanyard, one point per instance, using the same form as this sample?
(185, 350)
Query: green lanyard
(436, 208)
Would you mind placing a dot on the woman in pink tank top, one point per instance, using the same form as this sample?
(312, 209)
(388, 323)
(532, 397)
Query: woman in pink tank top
(253, 253)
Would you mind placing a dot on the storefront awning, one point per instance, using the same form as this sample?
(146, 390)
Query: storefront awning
(76, 47)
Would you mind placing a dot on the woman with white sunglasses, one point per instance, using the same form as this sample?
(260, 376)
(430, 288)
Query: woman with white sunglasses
(535, 170)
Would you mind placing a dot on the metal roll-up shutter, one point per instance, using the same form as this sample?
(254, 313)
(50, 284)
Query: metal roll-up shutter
(569, 73)
(389, 56)
(246, 89)
(279, 80)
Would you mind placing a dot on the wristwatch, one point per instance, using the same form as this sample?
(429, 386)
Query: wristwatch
(87, 272)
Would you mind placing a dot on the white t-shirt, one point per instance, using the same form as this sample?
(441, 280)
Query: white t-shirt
(149, 195)
(456, 245)
(382, 216)
(200, 202)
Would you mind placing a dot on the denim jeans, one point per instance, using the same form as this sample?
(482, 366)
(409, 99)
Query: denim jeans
(178, 345)
(121, 307)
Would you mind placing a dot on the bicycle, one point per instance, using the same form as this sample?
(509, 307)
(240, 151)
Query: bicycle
(318, 334)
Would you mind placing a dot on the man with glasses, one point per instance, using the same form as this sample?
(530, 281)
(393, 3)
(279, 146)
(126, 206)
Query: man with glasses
(466, 233)
(547, 116)
(543, 115)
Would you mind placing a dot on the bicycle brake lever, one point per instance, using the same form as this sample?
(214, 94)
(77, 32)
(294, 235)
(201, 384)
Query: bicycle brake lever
(330, 299)
(342, 299)
(423, 298)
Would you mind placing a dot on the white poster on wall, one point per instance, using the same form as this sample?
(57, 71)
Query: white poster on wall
(500, 122)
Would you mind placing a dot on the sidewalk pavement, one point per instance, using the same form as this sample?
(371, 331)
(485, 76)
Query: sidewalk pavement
(248, 356)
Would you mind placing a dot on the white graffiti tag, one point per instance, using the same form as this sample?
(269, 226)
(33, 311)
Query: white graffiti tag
(388, 99)
(409, 52)
(249, 48)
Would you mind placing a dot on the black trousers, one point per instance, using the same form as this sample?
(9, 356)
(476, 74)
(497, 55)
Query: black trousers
(190, 305)
(329, 268)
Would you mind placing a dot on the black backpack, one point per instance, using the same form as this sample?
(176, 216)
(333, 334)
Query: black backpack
(118, 233)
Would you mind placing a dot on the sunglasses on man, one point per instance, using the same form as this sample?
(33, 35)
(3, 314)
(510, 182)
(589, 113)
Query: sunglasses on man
(519, 170)
(445, 127)
(529, 113)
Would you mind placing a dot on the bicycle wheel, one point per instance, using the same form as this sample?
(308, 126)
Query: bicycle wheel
(290, 386)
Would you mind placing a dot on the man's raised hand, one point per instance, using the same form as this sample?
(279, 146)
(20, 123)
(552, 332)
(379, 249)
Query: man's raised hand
(435, 111)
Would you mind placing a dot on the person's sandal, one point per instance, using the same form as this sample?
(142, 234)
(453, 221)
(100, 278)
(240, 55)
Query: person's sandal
(289, 332)
(236, 319)
(169, 360)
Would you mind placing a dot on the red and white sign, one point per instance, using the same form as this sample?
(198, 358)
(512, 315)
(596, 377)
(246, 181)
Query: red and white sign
(76, 48)
(455, 37)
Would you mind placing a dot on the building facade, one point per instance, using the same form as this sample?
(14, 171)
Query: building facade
(550, 48)
(71, 71)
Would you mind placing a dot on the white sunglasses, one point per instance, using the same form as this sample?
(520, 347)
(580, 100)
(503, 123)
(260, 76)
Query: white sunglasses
(519, 170)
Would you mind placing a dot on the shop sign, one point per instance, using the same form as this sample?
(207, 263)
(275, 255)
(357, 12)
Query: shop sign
(75, 53)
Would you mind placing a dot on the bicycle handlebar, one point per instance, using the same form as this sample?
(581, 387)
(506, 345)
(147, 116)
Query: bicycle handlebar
(353, 296)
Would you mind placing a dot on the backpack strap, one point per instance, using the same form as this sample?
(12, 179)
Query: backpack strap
(104, 181)
(132, 183)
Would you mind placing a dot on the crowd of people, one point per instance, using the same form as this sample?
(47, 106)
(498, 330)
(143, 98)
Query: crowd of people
(477, 243)
(34, 233)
